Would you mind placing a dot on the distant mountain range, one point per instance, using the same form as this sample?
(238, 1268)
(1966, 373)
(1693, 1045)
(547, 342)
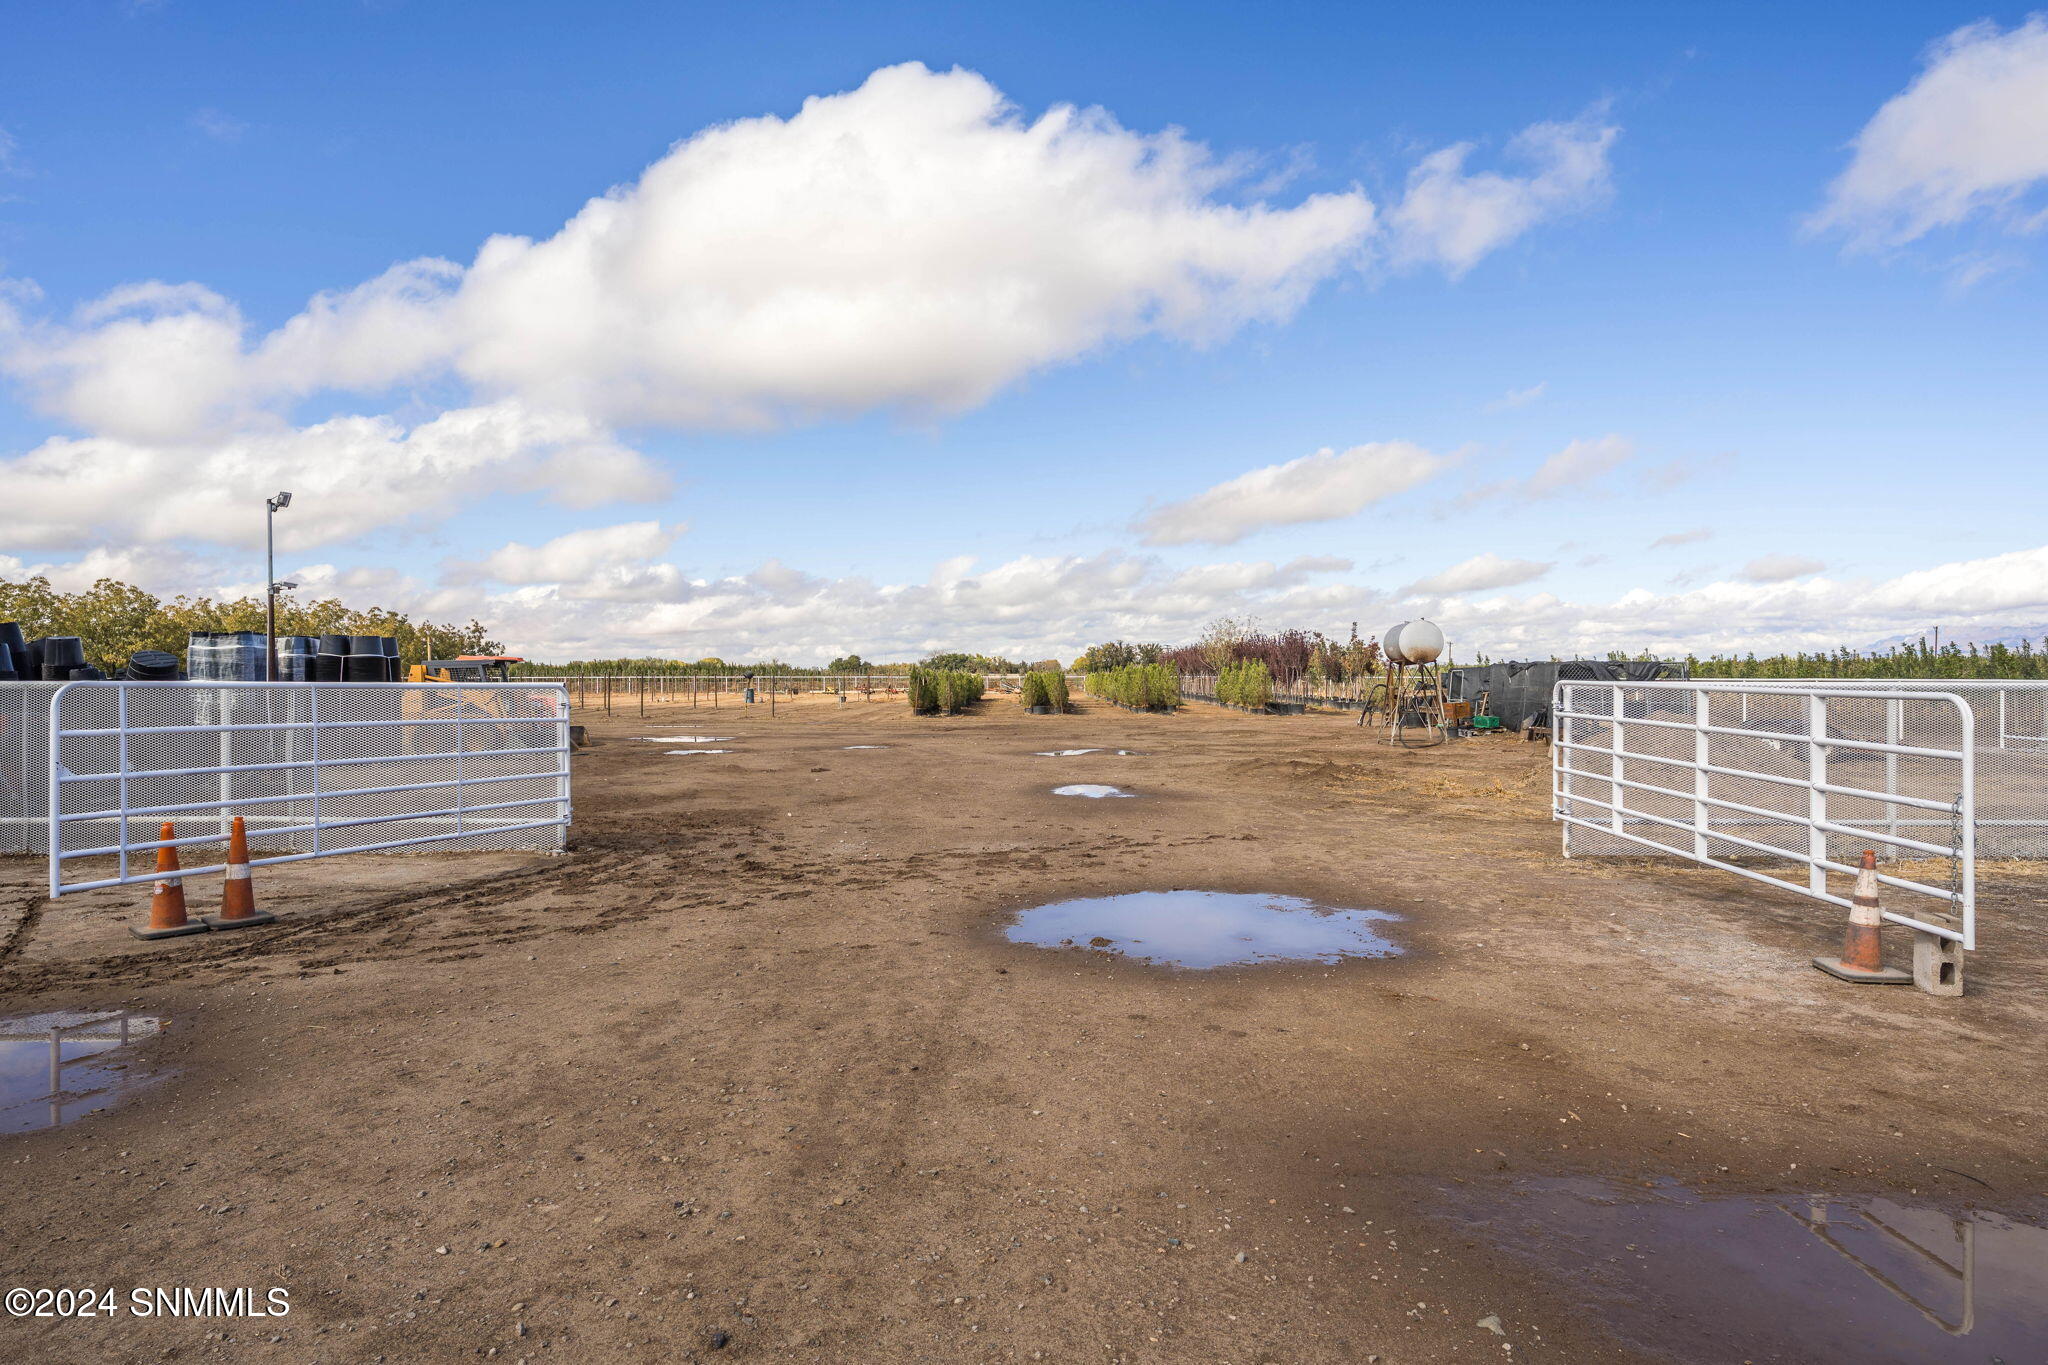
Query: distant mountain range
(1981, 636)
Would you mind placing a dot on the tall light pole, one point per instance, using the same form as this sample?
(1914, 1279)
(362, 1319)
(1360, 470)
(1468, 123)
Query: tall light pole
(270, 584)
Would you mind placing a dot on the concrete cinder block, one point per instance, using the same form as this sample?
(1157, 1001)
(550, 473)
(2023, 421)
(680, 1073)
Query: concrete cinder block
(1937, 964)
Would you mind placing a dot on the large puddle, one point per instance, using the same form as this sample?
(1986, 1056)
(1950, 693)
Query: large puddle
(1076, 753)
(1096, 790)
(1784, 1278)
(54, 1067)
(1206, 928)
(697, 751)
(686, 739)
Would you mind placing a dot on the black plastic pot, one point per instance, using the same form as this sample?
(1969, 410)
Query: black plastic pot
(240, 656)
(199, 654)
(63, 651)
(15, 642)
(297, 658)
(334, 652)
(363, 668)
(87, 674)
(151, 665)
(7, 673)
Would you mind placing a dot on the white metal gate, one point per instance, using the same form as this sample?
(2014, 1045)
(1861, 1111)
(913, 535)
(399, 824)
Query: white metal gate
(1780, 773)
(314, 769)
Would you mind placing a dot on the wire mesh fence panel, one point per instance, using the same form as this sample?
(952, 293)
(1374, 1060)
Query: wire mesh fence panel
(2010, 722)
(312, 769)
(1786, 784)
(24, 764)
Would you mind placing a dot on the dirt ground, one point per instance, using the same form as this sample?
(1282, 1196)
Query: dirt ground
(750, 1070)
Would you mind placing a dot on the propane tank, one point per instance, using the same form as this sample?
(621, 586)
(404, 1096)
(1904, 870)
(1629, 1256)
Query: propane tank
(1414, 642)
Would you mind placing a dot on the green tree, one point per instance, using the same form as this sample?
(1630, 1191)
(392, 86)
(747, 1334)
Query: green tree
(114, 620)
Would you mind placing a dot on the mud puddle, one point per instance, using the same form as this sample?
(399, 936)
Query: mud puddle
(1096, 790)
(863, 746)
(1076, 753)
(686, 739)
(51, 1067)
(1206, 928)
(1783, 1277)
(699, 751)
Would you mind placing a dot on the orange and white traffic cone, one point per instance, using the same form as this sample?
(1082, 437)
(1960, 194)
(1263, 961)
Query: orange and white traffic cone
(238, 894)
(1862, 956)
(167, 897)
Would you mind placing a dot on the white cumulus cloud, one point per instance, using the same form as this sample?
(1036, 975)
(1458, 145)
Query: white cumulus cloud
(1453, 218)
(573, 556)
(1780, 568)
(1579, 464)
(1325, 486)
(914, 243)
(1969, 136)
(351, 475)
(1519, 398)
(1039, 606)
(1478, 574)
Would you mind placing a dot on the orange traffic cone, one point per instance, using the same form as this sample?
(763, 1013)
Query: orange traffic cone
(167, 897)
(1862, 956)
(238, 896)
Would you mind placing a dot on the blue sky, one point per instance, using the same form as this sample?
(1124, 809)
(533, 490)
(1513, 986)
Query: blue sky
(1645, 250)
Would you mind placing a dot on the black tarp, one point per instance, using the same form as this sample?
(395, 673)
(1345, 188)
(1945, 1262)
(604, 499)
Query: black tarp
(1519, 693)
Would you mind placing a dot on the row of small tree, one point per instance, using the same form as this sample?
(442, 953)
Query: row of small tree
(947, 690)
(1292, 656)
(1919, 660)
(1142, 687)
(1044, 687)
(1246, 683)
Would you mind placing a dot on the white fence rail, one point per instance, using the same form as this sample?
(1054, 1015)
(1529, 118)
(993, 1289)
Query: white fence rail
(1779, 773)
(314, 770)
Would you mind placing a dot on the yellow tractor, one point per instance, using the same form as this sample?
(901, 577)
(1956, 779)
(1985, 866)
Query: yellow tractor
(465, 702)
(473, 668)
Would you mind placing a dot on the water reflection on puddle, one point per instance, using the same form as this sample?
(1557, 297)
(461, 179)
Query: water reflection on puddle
(686, 739)
(863, 746)
(49, 1072)
(1783, 1277)
(1076, 753)
(700, 751)
(1094, 789)
(1206, 928)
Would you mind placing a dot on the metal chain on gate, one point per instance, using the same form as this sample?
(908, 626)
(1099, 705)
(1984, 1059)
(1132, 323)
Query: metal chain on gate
(1955, 850)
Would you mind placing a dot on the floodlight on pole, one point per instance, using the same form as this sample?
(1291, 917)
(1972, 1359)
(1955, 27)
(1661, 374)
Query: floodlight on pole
(272, 506)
